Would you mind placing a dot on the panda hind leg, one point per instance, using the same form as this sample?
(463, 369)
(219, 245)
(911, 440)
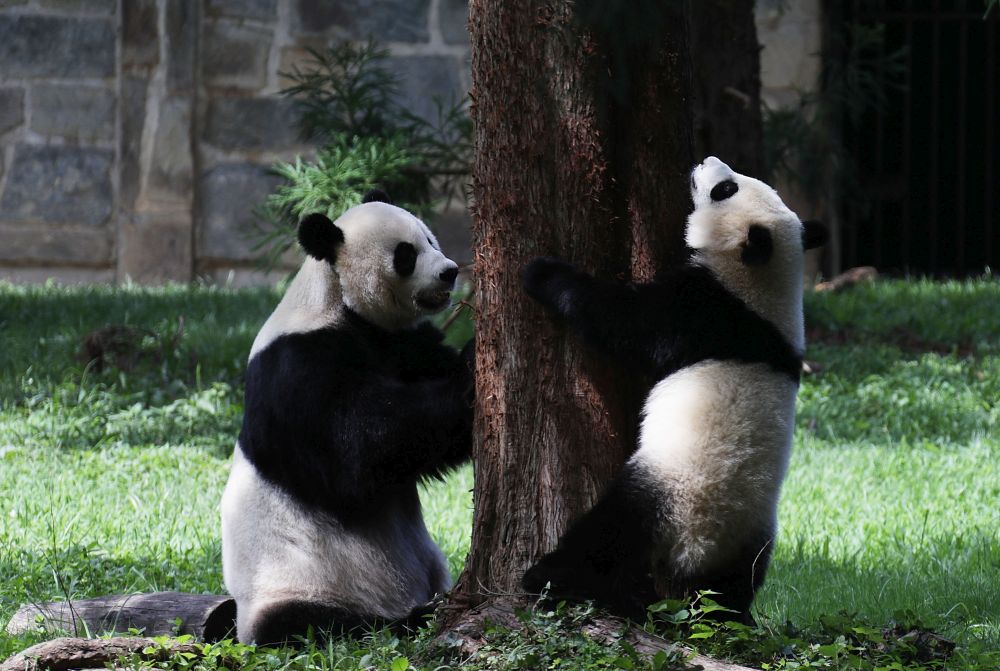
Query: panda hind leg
(564, 576)
(735, 584)
(626, 591)
(288, 622)
(605, 555)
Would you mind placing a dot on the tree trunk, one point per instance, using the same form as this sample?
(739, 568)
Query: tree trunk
(582, 151)
(726, 66)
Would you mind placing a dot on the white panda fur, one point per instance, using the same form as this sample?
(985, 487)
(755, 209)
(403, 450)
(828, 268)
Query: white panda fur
(313, 535)
(695, 506)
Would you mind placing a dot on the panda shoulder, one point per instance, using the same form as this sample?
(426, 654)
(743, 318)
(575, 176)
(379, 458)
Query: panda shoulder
(691, 285)
(319, 349)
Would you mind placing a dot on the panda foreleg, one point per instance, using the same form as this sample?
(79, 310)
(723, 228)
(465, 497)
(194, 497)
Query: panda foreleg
(400, 431)
(608, 316)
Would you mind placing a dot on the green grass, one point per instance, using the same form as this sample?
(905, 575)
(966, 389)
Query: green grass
(892, 500)
(111, 479)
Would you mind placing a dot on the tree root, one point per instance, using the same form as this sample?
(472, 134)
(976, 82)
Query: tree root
(463, 634)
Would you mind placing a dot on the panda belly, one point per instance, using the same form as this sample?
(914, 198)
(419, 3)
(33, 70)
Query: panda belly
(713, 447)
(273, 553)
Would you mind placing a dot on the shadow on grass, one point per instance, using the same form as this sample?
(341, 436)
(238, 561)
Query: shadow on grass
(44, 328)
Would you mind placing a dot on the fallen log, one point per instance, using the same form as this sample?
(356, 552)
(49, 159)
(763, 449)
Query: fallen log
(848, 279)
(61, 654)
(209, 617)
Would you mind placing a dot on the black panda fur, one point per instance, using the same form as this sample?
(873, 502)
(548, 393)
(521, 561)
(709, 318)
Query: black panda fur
(390, 405)
(723, 335)
(351, 399)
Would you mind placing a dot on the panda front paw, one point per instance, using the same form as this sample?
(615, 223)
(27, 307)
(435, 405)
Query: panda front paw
(542, 279)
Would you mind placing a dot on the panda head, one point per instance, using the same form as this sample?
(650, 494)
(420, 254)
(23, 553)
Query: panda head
(742, 231)
(740, 225)
(389, 265)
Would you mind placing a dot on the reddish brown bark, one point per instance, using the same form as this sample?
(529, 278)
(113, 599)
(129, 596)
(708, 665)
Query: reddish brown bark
(582, 152)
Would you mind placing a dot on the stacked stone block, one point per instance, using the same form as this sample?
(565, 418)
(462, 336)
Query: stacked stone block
(58, 101)
(790, 63)
(136, 135)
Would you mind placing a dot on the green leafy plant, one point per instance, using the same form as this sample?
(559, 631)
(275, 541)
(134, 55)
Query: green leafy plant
(839, 641)
(348, 101)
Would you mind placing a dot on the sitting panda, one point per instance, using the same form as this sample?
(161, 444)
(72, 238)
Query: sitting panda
(695, 506)
(351, 399)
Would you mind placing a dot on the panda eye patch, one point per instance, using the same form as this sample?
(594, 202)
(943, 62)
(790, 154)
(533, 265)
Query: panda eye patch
(404, 259)
(723, 190)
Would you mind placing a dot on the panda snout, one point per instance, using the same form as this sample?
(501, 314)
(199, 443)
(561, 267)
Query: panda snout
(448, 275)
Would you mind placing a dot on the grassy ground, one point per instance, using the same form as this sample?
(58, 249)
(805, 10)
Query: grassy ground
(111, 478)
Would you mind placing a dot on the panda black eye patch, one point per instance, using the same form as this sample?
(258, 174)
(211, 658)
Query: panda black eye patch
(723, 190)
(404, 259)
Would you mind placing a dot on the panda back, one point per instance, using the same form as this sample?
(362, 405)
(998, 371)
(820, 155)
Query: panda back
(715, 438)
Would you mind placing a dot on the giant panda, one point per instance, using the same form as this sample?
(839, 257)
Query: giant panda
(694, 507)
(351, 399)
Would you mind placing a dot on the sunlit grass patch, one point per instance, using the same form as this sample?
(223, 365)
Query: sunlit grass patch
(874, 529)
(112, 478)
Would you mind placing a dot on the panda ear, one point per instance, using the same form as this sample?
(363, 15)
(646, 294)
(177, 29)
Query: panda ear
(320, 237)
(814, 234)
(376, 196)
(758, 247)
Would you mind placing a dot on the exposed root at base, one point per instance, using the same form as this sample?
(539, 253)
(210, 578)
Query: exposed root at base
(464, 634)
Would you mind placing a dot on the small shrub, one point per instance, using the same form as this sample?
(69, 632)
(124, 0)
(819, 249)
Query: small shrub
(348, 101)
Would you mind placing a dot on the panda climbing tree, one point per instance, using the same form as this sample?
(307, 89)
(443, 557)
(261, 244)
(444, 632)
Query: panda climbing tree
(569, 162)
(583, 122)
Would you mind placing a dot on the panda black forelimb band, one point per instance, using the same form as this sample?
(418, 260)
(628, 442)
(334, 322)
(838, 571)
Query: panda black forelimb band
(684, 317)
(379, 425)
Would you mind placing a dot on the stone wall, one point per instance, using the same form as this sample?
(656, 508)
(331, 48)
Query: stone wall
(791, 34)
(135, 135)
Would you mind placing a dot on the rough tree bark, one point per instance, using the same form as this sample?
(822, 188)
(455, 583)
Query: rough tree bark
(583, 147)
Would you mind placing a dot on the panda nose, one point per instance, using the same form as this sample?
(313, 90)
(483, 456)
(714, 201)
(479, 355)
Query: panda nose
(449, 275)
